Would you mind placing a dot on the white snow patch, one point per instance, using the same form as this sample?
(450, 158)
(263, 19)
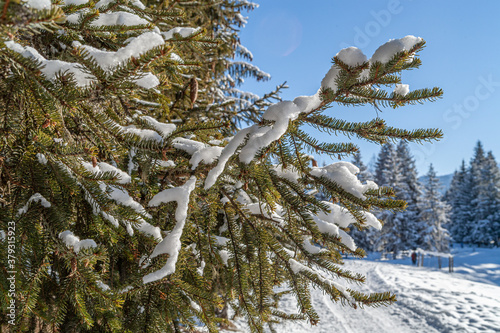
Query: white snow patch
(108, 60)
(37, 197)
(289, 173)
(184, 32)
(84, 244)
(200, 152)
(71, 240)
(73, 2)
(337, 215)
(402, 89)
(122, 197)
(165, 164)
(102, 167)
(224, 255)
(110, 218)
(39, 4)
(352, 56)
(118, 18)
(103, 286)
(164, 128)
(41, 158)
(308, 103)
(206, 155)
(142, 133)
(311, 248)
(385, 52)
(149, 229)
(171, 244)
(225, 155)
(189, 146)
(52, 67)
(344, 174)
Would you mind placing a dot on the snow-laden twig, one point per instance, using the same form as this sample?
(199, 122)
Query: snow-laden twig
(171, 244)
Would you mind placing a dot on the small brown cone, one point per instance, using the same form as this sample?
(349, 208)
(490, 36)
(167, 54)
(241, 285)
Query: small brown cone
(193, 88)
(74, 265)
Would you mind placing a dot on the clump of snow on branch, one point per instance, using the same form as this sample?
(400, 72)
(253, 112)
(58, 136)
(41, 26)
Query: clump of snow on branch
(51, 67)
(118, 18)
(351, 56)
(333, 230)
(41, 158)
(37, 197)
(222, 242)
(74, 241)
(102, 167)
(199, 151)
(183, 32)
(310, 247)
(108, 60)
(171, 244)
(259, 209)
(121, 197)
(142, 133)
(402, 89)
(39, 4)
(288, 173)
(387, 51)
(163, 128)
(341, 216)
(344, 174)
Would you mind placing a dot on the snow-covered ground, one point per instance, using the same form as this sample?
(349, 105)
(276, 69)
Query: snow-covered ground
(429, 300)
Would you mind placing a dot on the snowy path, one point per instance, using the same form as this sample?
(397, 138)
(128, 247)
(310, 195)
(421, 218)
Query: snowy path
(428, 301)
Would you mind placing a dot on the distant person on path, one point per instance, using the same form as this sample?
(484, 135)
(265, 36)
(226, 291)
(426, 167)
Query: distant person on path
(414, 258)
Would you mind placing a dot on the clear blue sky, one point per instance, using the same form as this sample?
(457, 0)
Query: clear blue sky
(294, 41)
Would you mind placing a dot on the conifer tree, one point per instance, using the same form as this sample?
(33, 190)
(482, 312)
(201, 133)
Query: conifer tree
(387, 166)
(458, 196)
(407, 222)
(486, 205)
(363, 238)
(433, 216)
(388, 173)
(138, 206)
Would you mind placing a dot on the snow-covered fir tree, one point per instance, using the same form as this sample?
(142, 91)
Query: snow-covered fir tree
(486, 204)
(363, 238)
(479, 183)
(433, 216)
(395, 167)
(459, 197)
(388, 173)
(387, 170)
(137, 202)
(407, 222)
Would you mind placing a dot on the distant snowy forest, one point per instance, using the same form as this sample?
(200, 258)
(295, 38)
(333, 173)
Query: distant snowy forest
(468, 212)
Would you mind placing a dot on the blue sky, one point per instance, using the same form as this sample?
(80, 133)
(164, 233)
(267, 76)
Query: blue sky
(294, 41)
